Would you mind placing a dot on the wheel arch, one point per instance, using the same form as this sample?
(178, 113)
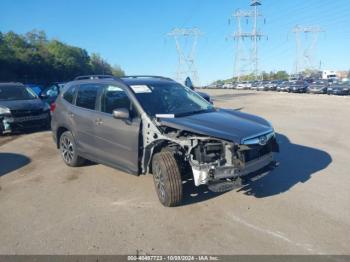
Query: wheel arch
(156, 147)
(59, 133)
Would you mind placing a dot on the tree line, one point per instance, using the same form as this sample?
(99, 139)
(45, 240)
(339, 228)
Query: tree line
(32, 58)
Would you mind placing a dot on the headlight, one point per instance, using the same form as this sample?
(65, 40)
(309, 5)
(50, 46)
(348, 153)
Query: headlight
(4, 111)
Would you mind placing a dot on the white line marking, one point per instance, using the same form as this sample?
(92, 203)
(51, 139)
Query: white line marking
(277, 234)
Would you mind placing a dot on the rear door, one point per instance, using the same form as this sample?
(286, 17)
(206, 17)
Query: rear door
(84, 115)
(117, 140)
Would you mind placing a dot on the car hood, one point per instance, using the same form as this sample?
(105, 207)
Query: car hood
(32, 104)
(230, 125)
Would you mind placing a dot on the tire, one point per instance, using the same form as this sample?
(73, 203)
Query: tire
(68, 150)
(167, 179)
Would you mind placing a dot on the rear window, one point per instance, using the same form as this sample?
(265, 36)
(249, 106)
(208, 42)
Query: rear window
(69, 94)
(87, 95)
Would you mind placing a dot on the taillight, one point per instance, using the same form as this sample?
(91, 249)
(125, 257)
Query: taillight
(52, 107)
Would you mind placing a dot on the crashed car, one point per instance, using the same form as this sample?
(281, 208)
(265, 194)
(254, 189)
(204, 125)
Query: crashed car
(21, 108)
(155, 125)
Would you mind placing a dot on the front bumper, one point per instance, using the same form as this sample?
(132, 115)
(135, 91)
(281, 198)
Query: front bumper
(339, 92)
(207, 174)
(315, 91)
(9, 124)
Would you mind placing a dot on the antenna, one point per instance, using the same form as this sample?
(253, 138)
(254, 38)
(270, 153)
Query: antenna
(186, 61)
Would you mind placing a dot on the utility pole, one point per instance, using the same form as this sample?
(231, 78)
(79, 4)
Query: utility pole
(186, 59)
(305, 57)
(247, 62)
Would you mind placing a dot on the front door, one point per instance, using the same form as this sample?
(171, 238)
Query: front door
(117, 140)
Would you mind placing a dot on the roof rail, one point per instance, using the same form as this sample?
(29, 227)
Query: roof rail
(147, 76)
(91, 77)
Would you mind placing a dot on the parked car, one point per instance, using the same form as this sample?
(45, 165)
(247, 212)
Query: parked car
(255, 85)
(21, 108)
(298, 87)
(228, 86)
(154, 125)
(341, 89)
(318, 87)
(271, 85)
(262, 86)
(50, 93)
(283, 86)
(243, 85)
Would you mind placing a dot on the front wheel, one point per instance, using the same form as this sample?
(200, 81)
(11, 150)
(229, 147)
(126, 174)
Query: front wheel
(167, 179)
(68, 150)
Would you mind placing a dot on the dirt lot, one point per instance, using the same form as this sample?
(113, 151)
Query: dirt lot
(300, 208)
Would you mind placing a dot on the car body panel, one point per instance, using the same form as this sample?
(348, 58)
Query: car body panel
(225, 124)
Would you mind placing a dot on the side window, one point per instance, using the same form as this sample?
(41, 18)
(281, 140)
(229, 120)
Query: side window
(69, 94)
(114, 98)
(87, 95)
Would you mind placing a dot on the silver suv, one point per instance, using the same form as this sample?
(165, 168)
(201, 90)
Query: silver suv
(143, 124)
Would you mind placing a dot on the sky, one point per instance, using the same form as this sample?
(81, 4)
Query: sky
(133, 33)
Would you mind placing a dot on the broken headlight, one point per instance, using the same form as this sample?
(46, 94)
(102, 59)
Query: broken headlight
(4, 111)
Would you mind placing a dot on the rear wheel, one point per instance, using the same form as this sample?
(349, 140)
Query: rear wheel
(69, 151)
(167, 178)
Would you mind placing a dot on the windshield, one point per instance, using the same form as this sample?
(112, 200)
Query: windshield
(170, 99)
(8, 93)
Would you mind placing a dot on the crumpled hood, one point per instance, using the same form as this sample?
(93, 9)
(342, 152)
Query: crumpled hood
(224, 124)
(32, 104)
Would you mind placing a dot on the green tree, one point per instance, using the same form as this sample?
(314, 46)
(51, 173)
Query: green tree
(34, 58)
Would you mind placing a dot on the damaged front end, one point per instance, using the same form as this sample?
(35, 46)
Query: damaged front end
(5, 124)
(215, 162)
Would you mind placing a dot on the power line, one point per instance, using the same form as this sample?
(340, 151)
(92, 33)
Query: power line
(186, 61)
(305, 53)
(247, 62)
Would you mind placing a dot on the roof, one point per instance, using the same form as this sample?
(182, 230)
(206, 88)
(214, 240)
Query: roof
(129, 80)
(146, 81)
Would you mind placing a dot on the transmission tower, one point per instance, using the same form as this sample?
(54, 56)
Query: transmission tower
(186, 59)
(305, 54)
(247, 62)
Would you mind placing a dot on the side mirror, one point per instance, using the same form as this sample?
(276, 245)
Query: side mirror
(121, 113)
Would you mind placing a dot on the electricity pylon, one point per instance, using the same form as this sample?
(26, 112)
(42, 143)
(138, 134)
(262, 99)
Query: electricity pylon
(305, 54)
(186, 59)
(247, 62)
